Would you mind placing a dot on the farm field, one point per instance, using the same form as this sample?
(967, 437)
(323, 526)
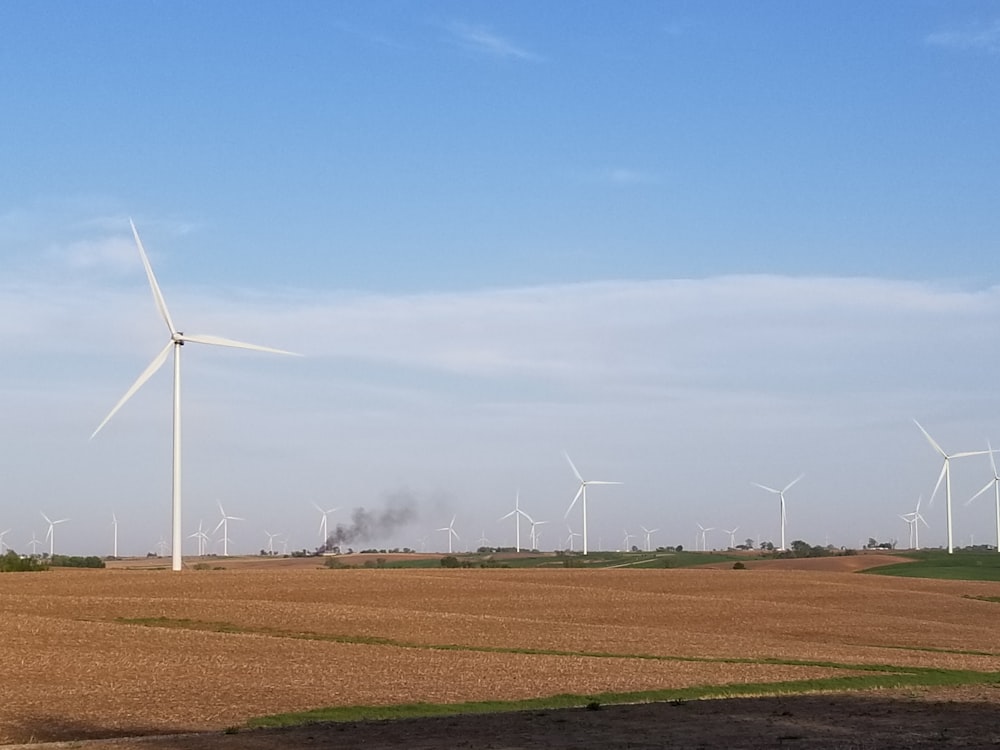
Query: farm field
(104, 653)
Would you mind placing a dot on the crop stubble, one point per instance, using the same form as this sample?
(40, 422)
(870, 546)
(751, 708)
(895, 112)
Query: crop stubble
(81, 670)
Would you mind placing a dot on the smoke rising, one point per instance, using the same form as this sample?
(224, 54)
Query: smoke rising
(400, 509)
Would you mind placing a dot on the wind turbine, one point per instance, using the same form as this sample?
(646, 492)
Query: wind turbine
(781, 496)
(704, 531)
(517, 513)
(732, 536)
(534, 534)
(648, 533)
(270, 542)
(114, 523)
(224, 525)
(946, 475)
(323, 529)
(202, 538)
(569, 538)
(995, 484)
(177, 340)
(913, 519)
(625, 542)
(35, 541)
(582, 491)
(450, 528)
(3, 544)
(51, 535)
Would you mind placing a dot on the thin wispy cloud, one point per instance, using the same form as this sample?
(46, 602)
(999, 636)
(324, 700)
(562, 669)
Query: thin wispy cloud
(981, 37)
(484, 41)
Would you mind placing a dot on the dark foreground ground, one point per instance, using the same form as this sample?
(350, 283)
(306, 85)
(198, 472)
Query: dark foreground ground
(941, 718)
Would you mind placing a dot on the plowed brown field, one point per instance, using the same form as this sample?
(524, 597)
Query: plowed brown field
(73, 665)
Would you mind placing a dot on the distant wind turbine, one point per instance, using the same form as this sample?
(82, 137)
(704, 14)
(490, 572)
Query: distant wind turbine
(224, 525)
(324, 532)
(945, 475)
(35, 541)
(626, 547)
(704, 544)
(270, 542)
(201, 537)
(781, 496)
(582, 492)
(177, 340)
(518, 514)
(450, 528)
(649, 533)
(913, 519)
(3, 545)
(995, 484)
(570, 537)
(732, 536)
(51, 534)
(534, 533)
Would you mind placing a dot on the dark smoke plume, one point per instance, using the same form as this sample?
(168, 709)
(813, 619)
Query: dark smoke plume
(366, 525)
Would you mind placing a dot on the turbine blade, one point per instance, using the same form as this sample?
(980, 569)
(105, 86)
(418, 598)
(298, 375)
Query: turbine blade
(789, 485)
(930, 439)
(598, 481)
(504, 518)
(161, 304)
(968, 453)
(575, 498)
(155, 365)
(764, 487)
(572, 466)
(937, 486)
(201, 338)
(988, 485)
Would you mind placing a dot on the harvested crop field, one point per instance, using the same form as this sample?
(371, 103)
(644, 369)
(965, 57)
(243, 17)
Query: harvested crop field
(118, 652)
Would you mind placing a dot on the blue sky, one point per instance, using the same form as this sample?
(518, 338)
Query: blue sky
(695, 244)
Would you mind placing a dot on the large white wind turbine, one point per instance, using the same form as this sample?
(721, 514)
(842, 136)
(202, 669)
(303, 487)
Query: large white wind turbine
(224, 525)
(946, 475)
(995, 484)
(582, 491)
(450, 528)
(177, 340)
(51, 533)
(781, 496)
(518, 514)
(114, 523)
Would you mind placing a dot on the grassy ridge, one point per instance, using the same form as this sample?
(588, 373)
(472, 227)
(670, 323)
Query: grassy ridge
(860, 677)
(960, 566)
(913, 678)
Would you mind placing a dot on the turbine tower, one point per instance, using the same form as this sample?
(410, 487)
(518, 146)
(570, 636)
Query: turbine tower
(946, 475)
(114, 523)
(781, 496)
(582, 491)
(995, 484)
(177, 340)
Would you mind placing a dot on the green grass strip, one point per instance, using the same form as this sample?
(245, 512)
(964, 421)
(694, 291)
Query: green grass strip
(922, 678)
